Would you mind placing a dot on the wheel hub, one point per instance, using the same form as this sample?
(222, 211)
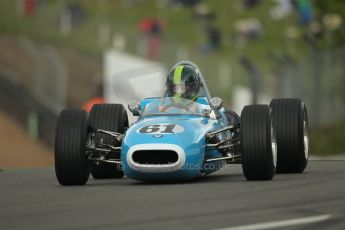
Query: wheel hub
(305, 139)
(273, 145)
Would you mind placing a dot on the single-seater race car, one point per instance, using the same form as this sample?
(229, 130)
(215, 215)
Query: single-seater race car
(180, 136)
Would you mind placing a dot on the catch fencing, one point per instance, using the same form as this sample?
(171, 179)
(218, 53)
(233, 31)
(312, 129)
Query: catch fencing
(35, 99)
(319, 80)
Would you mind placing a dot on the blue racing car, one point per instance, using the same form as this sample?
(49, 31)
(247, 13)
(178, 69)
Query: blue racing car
(181, 135)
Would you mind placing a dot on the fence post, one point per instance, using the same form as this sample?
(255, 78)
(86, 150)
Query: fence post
(33, 125)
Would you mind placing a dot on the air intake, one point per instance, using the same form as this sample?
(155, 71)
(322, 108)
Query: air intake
(155, 157)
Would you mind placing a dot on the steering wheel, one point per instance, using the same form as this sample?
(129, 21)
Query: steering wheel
(180, 106)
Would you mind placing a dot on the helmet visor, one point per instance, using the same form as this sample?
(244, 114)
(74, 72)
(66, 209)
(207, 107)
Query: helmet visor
(179, 89)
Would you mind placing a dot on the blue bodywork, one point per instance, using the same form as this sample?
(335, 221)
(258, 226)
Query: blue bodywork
(190, 138)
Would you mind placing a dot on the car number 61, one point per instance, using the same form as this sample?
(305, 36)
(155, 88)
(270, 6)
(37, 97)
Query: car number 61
(161, 129)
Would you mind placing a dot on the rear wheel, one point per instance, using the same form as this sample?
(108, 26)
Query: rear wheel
(110, 117)
(291, 126)
(71, 164)
(258, 143)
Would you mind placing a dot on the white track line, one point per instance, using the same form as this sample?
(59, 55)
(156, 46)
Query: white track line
(281, 223)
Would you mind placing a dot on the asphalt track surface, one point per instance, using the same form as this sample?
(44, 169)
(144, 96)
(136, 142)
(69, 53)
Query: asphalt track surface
(33, 199)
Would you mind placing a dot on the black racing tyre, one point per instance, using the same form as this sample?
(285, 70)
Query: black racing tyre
(291, 126)
(71, 164)
(258, 143)
(110, 117)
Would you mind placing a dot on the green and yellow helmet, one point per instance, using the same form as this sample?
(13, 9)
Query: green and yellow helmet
(183, 82)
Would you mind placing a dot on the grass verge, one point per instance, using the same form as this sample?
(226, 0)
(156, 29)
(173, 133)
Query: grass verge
(327, 141)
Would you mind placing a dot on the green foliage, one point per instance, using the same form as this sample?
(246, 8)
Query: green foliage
(322, 8)
(332, 6)
(329, 140)
(180, 28)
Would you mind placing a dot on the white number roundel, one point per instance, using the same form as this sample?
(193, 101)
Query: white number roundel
(161, 129)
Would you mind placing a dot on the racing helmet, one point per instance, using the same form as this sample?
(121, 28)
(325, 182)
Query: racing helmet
(183, 82)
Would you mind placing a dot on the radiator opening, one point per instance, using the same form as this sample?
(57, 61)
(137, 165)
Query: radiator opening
(157, 157)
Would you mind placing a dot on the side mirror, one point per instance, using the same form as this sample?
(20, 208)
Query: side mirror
(134, 107)
(216, 103)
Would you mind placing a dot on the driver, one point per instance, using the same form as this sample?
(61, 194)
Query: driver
(183, 82)
(183, 86)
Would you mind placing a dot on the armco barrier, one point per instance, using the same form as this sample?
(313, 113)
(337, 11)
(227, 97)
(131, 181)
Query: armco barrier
(18, 103)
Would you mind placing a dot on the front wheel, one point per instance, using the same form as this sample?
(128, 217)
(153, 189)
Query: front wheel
(258, 143)
(110, 117)
(71, 164)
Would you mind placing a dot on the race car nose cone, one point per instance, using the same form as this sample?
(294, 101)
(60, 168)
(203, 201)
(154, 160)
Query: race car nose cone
(156, 157)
